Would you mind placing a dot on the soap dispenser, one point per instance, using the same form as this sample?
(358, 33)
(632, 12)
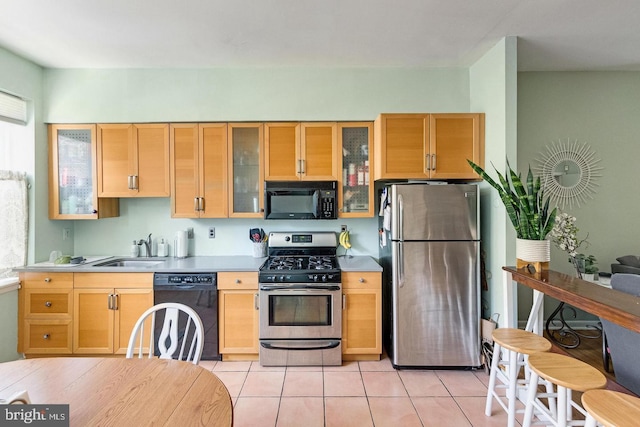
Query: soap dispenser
(135, 249)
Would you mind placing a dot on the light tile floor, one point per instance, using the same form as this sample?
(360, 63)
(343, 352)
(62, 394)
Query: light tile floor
(355, 394)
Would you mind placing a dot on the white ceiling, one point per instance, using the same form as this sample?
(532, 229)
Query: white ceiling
(552, 34)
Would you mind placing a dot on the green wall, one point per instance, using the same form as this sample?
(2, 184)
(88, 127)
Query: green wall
(601, 109)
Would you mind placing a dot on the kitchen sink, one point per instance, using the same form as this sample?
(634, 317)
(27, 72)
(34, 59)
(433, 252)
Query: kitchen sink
(130, 262)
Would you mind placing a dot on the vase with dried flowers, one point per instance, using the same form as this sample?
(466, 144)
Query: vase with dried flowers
(564, 236)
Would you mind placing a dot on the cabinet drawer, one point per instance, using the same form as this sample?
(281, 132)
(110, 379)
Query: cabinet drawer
(46, 280)
(47, 336)
(45, 303)
(113, 280)
(361, 279)
(238, 280)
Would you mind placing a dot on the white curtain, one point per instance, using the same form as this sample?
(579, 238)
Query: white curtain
(14, 221)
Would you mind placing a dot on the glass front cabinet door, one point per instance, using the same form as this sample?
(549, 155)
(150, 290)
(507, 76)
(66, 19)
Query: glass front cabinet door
(72, 175)
(246, 174)
(356, 183)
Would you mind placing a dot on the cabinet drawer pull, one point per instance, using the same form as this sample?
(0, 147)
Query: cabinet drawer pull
(255, 302)
(238, 281)
(48, 304)
(46, 336)
(47, 279)
(344, 301)
(361, 280)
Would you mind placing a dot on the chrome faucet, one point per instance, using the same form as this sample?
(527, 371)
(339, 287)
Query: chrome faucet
(147, 245)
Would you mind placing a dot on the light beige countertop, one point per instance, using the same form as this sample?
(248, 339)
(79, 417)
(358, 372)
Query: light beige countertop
(193, 264)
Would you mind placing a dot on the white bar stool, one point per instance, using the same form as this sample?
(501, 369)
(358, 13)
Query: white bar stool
(611, 408)
(517, 345)
(567, 374)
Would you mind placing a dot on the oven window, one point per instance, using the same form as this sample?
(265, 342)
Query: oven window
(299, 310)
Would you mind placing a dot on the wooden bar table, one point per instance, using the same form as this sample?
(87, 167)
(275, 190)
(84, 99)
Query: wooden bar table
(615, 306)
(122, 392)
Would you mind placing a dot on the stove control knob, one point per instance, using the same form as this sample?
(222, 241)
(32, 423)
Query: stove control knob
(287, 238)
(315, 277)
(324, 277)
(310, 277)
(282, 278)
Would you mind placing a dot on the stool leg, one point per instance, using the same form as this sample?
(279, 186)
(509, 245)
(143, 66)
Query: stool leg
(590, 421)
(551, 400)
(492, 378)
(513, 382)
(531, 397)
(562, 406)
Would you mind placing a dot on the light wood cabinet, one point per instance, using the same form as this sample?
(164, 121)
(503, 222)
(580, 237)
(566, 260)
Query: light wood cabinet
(73, 181)
(246, 170)
(301, 151)
(355, 189)
(45, 303)
(133, 160)
(362, 315)
(238, 315)
(198, 154)
(428, 146)
(104, 314)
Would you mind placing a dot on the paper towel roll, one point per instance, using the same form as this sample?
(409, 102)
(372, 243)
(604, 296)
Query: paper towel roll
(181, 245)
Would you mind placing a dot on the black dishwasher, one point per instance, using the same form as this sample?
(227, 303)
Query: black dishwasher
(198, 291)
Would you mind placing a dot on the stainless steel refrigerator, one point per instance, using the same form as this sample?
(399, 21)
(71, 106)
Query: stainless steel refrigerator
(430, 251)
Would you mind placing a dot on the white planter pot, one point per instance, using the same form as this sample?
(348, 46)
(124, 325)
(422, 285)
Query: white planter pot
(533, 250)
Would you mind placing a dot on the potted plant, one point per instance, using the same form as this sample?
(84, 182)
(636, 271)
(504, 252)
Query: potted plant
(587, 266)
(529, 212)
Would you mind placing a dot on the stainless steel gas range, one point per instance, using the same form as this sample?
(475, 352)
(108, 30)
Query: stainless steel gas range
(301, 301)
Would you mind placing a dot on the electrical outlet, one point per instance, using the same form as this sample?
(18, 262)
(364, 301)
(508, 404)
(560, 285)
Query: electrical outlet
(190, 233)
(343, 228)
(212, 232)
(66, 233)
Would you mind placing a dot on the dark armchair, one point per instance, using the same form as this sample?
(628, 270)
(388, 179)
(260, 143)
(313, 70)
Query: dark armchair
(627, 264)
(623, 344)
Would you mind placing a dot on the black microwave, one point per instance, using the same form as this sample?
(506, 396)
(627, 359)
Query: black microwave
(300, 200)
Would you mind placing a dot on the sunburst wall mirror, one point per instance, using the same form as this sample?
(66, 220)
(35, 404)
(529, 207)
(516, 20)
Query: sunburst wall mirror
(568, 171)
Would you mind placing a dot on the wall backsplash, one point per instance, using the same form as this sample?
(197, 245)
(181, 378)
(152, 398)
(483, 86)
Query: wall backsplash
(139, 217)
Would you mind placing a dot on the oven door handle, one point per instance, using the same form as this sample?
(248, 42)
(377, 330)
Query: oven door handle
(299, 288)
(329, 344)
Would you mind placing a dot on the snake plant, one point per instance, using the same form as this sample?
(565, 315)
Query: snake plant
(526, 205)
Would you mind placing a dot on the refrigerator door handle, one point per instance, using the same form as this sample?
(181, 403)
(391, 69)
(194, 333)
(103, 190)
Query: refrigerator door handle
(400, 218)
(400, 265)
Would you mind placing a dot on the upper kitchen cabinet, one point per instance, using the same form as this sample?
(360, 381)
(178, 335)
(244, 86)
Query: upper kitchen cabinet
(355, 192)
(301, 152)
(73, 177)
(199, 170)
(133, 160)
(246, 170)
(428, 146)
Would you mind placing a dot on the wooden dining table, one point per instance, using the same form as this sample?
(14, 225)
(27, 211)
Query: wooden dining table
(122, 392)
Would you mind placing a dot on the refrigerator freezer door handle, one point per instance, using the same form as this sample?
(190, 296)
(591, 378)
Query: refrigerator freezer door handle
(400, 217)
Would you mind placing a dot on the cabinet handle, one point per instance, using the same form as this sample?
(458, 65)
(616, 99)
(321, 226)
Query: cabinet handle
(115, 301)
(238, 281)
(428, 162)
(130, 182)
(46, 336)
(344, 301)
(109, 303)
(433, 162)
(47, 304)
(255, 302)
(302, 166)
(196, 204)
(47, 279)
(201, 203)
(135, 182)
(361, 280)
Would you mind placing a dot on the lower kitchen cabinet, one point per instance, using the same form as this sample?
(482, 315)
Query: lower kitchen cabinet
(238, 315)
(104, 314)
(44, 312)
(362, 315)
